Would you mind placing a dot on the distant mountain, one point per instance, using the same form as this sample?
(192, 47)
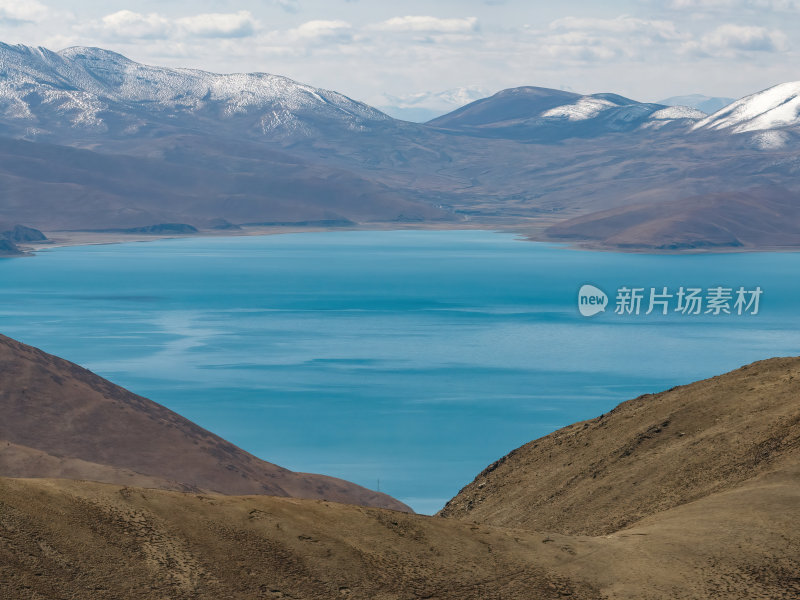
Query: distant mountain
(773, 109)
(425, 106)
(17, 234)
(9, 248)
(706, 104)
(129, 146)
(755, 218)
(515, 104)
(90, 140)
(60, 420)
(413, 114)
(97, 92)
(544, 115)
(20, 233)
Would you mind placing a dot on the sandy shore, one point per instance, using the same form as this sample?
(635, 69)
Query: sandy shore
(532, 230)
(60, 239)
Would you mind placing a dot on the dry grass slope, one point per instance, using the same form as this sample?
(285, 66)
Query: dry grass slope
(61, 539)
(692, 494)
(60, 420)
(75, 540)
(648, 455)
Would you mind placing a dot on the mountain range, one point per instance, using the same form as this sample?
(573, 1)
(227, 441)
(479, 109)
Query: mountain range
(689, 494)
(92, 141)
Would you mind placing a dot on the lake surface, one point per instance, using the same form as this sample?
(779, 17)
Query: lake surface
(413, 359)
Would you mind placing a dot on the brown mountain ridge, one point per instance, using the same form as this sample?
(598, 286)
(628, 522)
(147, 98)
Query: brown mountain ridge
(60, 420)
(646, 456)
(690, 494)
(757, 218)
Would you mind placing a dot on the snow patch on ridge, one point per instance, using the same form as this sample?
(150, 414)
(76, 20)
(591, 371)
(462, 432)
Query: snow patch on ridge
(585, 108)
(677, 112)
(776, 107)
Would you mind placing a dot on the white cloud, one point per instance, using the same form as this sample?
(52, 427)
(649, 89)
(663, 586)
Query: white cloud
(130, 25)
(367, 51)
(22, 11)
(586, 40)
(428, 24)
(679, 4)
(777, 4)
(219, 25)
(711, 5)
(126, 24)
(581, 48)
(730, 39)
(578, 39)
(664, 30)
(319, 30)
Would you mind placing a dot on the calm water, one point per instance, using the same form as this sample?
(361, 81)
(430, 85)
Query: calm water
(413, 358)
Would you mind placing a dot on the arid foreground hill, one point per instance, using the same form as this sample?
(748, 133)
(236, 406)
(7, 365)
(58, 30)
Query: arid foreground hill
(60, 420)
(689, 494)
(646, 456)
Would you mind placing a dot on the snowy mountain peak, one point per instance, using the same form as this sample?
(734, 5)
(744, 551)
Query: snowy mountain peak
(83, 87)
(88, 55)
(773, 108)
(547, 115)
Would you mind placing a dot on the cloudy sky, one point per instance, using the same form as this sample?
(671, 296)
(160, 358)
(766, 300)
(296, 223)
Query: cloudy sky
(372, 50)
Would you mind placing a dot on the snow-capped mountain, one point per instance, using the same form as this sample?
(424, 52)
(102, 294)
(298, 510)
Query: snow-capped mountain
(100, 91)
(92, 140)
(82, 95)
(618, 112)
(547, 115)
(775, 108)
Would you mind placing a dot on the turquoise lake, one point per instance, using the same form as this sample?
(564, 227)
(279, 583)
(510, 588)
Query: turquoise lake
(410, 358)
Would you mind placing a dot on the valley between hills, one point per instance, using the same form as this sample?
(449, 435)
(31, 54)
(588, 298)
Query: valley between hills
(692, 493)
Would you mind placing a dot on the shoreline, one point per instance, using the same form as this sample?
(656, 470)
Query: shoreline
(66, 239)
(530, 232)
